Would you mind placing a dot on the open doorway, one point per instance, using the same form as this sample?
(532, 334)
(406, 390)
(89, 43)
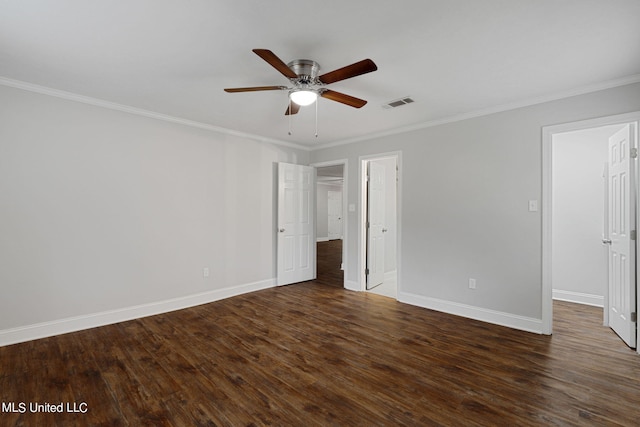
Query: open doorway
(585, 203)
(330, 223)
(579, 168)
(379, 224)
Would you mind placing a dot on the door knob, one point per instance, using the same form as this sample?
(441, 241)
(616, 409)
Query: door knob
(281, 230)
(384, 230)
(606, 241)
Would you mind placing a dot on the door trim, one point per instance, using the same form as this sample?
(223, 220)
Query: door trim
(547, 139)
(362, 217)
(345, 216)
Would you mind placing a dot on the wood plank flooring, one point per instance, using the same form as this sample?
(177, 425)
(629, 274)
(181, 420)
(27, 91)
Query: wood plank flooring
(328, 260)
(316, 355)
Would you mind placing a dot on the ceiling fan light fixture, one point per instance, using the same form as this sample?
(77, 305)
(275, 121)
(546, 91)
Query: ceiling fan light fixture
(303, 97)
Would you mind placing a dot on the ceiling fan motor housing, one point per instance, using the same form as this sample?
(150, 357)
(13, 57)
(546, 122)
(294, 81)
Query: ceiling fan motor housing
(306, 69)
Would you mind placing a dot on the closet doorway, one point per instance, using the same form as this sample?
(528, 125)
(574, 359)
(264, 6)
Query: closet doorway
(379, 224)
(612, 232)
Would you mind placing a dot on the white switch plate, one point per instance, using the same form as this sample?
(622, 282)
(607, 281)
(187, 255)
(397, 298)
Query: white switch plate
(533, 206)
(205, 272)
(352, 207)
(472, 283)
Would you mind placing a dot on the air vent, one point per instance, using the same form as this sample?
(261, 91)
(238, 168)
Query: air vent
(398, 102)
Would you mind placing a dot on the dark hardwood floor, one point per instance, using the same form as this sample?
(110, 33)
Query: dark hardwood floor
(329, 258)
(315, 355)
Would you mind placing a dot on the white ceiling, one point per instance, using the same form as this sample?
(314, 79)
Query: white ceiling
(454, 58)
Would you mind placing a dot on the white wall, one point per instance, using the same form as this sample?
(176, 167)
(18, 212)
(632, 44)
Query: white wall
(465, 188)
(579, 257)
(102, 210)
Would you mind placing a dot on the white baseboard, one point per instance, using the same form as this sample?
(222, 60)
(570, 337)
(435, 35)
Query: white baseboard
(477, 313)
(579, 298)
(352, 285)
(322, 239)
(78, 323)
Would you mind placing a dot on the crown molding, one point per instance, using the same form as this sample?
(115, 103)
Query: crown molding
(70, 96)
(487, 111)
(422, 125)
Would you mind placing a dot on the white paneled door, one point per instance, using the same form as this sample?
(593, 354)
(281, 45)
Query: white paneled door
(376, 200)
(621, 234)
(334, 214)
(296, 224)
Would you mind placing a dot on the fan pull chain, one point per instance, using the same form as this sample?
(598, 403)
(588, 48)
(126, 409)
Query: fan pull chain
(316, 118)
(289, 117)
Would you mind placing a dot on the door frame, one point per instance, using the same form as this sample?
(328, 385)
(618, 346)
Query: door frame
(362, 217)
(547, 208)
(345, 217)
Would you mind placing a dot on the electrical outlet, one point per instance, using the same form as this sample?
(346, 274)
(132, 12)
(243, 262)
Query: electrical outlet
(472, 283)
(205, 272)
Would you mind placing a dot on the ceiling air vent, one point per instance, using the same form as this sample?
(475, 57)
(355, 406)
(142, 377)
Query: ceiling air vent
(398, 102)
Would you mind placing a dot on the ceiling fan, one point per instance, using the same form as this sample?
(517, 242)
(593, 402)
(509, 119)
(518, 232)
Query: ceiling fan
(306, 84)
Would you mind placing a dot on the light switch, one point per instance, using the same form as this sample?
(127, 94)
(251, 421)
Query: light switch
(533, 206)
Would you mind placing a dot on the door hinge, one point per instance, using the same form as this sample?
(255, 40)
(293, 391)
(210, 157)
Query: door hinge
(366, 271)
(633, 234)
(634, 317)
(634, 153)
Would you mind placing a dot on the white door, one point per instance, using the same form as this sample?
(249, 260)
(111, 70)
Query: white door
(375, 221)
(296, 224)
(621, 230)
(334, 212)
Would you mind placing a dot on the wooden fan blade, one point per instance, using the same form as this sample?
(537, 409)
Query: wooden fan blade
(363, 67)
(293, 108)
(276, 62)
(253, 89)
(343, 98)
